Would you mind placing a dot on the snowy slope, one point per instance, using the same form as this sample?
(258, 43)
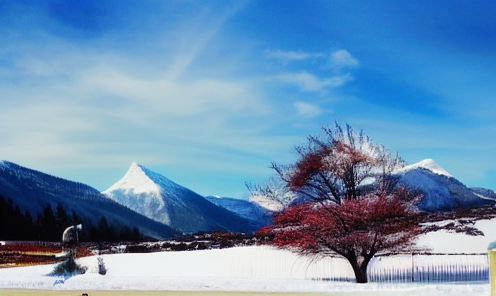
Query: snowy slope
(484, 193)
(257, 215)
(427, 164)
(450, 242)
(440, 190)
(164, 201)
(33, 190)
(248, 269)
(269, 205)
(137, 191)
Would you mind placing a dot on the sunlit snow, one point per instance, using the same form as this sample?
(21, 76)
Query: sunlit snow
(140, 193)
(428, 164)
(237, 269)
(264, 268)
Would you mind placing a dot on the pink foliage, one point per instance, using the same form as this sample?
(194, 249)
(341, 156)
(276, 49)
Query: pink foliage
(345, 215)
(368, 224)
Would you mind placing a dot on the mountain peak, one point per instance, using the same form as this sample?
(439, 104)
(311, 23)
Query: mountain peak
(139, 179)
(136, 179)
(164, 201)
(428, 164)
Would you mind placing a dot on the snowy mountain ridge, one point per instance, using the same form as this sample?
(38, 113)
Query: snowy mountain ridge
(136, 180)
(164, 201)
(427, 164)
(180, 209)
(441, 191)
(251, 211)
(139, 191)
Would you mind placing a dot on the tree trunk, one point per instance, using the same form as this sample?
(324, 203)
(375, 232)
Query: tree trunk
(360, 270)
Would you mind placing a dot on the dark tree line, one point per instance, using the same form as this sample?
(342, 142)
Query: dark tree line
(49, 225)
(14, 225)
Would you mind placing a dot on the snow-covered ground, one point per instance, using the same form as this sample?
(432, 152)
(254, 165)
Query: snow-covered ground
(246, 269)
(449, 242)
(236, 269)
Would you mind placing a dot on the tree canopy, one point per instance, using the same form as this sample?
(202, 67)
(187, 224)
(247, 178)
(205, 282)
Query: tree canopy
(348, 201)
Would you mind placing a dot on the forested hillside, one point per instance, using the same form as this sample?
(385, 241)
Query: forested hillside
(50, 224)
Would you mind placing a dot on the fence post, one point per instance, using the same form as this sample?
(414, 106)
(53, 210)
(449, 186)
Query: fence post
(492, 267)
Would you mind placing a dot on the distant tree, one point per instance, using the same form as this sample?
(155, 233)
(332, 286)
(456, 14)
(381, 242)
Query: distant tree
(75, 218)
(63, 219)
(349, 203)
(136, 235)
(30, 230)
(130, 235)
(6, 217)
(108, 232)
(18, 224)
(102, 232)
(48, 225)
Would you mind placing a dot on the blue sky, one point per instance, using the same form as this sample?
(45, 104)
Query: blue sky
(209, 93)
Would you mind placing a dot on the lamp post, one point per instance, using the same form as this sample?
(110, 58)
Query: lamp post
(492, 267)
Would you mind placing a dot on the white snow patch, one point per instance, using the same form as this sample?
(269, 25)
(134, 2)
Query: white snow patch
(428, 164)
(449, 242)
(136, 180)
(483, 196)
(237, 269)
(266, 203)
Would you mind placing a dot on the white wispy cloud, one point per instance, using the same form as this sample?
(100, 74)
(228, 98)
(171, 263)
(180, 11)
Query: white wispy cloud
(307, 109)
(286, 56)
(342, 58)
(196, 34)
(338, 60)
(308, 82)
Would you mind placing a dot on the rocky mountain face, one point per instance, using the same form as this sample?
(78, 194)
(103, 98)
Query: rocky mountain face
(164, 201)
(32, 191)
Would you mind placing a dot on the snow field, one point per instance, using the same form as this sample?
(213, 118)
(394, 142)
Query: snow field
(254, 269)
(449, 242)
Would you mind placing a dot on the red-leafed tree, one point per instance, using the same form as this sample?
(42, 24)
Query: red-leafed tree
(349, 203)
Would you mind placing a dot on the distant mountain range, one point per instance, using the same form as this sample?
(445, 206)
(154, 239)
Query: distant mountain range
(257, 215)
(32, 190)
(161, 208)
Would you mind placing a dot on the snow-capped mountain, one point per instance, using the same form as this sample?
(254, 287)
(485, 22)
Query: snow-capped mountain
(426, 164)
(164, 201)
(33, 190)
(441, 190)
(257, 215)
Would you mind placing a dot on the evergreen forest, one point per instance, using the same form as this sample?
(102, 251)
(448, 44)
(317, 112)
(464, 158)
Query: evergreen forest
(50, 224)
